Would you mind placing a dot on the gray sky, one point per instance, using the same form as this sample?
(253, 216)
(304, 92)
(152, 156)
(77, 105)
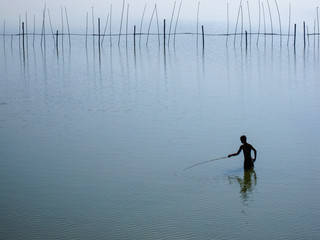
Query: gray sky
(211, 11)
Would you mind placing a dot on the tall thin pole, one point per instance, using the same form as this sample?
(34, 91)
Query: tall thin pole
(121, 22)
(34, 29)
(110, 25)
(202, 36)
(62, 27)
(23, 35)
(127, 23)
(249, 19)
(164, 33)
(158, 26)
(134, 36)
(289, 24)
(318, 26)
(174, 7)
(87, 29)
(304, 34)
(279, 22)
(295, 35)
(236, 28)
(99, 33)
(51, 25)
(198, 22)
(68, 26)
(175, 28)
(227, 24)
(144, 10)
(154, 9)
(270, 20)
(259, 22)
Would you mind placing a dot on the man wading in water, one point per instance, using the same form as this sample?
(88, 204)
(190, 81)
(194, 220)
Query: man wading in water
(246, 148)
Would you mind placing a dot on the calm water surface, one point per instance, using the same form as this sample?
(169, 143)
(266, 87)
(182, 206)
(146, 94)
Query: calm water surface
(93, 145)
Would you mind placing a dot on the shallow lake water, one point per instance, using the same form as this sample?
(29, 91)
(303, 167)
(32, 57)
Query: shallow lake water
(94, 144)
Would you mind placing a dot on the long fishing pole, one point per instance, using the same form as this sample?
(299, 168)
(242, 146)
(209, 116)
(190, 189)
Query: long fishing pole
(204, 162)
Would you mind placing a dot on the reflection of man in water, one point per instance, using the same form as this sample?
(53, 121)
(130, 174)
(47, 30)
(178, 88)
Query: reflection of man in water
(247, 183)
(246, 148)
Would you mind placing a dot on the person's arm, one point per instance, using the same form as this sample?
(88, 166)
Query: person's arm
(237, 153)
(255, 154)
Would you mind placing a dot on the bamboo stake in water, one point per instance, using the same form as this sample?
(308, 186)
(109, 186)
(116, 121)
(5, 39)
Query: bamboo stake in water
(304, 35)
(134, 36)
(43, 26)
(51, 25)
(34, 29)
(295, 36)
(174, 7)
(259, 23)
(236, 28)
(158, 26)
(154, 9)
(246, 34)
(105, 29)
(202, 37)
(144, 10)
(87, 29)
(175, 28)
(204, 162)
(65, 8)
(318, 26)
(164, 33)
(289, 30)
(62, 29)
(27, 43)
(127, 23)
(249, 15)
(99, 33)
(270, 22)
(241, 24)
(4, 34)
(264, 24)
(110, 25)
(227, 24)
(121, 22)
(23, 35)
(198, 22)
(57, 34)
(279, 22)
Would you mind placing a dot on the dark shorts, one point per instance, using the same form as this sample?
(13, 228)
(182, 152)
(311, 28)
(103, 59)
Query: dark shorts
(248, 164)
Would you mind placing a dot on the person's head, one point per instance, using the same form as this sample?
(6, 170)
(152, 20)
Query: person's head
(243, 139)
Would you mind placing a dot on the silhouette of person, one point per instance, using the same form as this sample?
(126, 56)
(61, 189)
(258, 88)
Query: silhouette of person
(246, 148)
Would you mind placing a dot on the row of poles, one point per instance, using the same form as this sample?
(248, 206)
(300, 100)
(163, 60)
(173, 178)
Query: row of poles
(101, 36)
